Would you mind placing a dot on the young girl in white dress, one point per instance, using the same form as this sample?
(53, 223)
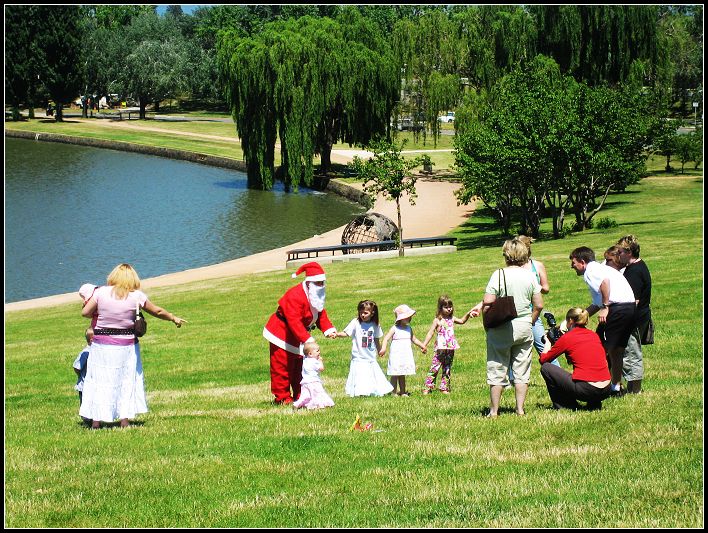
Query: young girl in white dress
(312, 393)
(400, 361)
(365, 375)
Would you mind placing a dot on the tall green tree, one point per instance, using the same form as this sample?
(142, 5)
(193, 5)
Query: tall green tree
(682, 32)
(309, 82)
(496, 40)
(23, 57)
(147, 59)
(60, 41)
(598, 43)
(388, 173)
(104, 47)
(610, 134)
(513, 154)
(430, 60)
(540, 137)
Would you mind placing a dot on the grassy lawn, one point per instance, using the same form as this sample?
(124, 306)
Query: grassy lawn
(214, 452)
(103, 129)
(110, 130)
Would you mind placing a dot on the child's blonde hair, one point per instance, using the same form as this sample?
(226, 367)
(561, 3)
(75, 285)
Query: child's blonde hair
(309, 347)
(442, 302)
(578, 315)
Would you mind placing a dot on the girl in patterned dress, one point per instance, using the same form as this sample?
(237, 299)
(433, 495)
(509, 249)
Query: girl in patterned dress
(445, 345)
(400, 360)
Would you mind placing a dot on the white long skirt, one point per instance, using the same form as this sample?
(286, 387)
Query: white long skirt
(366, 379)
(114, 387)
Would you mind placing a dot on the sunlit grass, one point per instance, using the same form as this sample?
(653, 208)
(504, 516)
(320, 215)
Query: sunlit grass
(214, 452)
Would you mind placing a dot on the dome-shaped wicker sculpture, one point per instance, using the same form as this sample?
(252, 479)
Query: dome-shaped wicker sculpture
(369, 227)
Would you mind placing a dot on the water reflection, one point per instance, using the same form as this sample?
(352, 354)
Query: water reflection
(72, 213)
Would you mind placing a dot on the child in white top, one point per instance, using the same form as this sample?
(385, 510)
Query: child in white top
(86, 292)
(80, 364)
(445, 345)
(365, 375)
(400, 361)
(312, 393)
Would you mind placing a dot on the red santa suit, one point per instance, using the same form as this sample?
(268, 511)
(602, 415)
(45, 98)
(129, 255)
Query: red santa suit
(288, 329)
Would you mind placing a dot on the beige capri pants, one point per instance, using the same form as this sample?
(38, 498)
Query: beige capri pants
(510, 345)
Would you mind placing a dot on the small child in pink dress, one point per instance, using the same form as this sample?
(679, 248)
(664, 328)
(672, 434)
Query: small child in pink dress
(445, 344)
(312, 393)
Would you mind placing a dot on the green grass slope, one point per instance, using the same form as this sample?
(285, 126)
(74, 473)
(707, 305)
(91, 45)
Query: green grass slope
(215, 452)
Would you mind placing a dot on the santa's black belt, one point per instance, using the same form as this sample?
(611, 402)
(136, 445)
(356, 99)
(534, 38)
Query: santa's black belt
(113, 331)
(282, 317)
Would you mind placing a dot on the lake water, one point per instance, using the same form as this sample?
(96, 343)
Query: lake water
(72, 213)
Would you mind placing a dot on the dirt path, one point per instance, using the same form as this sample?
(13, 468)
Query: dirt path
(127, 125)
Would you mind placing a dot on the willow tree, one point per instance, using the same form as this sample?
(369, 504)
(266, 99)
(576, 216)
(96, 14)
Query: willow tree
(599, 43)
(429, 55)
(310, 83)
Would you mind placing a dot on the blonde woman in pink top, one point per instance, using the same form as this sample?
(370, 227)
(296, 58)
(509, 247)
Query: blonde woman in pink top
(114, 387)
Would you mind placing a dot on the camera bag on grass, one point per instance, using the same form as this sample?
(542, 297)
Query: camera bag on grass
(140, 327)
(502, 310)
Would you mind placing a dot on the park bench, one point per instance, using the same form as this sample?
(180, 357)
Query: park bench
(128, 111)
(375, 246)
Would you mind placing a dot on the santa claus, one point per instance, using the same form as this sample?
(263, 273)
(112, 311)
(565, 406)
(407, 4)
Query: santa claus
(300, 310)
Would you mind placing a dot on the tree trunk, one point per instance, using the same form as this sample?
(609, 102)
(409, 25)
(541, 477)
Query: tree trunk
(143, 105)
(59, 113)
(326, 159)
(400, 229)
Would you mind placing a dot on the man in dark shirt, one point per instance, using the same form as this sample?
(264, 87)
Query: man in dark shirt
(639, 278)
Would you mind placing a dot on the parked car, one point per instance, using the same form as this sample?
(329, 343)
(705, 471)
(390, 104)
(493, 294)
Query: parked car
(449, 117)
(408, 124)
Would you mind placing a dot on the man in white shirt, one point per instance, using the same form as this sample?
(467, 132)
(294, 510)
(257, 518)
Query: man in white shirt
(613, 301)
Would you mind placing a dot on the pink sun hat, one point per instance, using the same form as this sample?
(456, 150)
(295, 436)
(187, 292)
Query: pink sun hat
(86, 291)
(403, 311)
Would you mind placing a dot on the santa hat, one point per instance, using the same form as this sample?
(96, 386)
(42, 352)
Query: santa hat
(313, 272)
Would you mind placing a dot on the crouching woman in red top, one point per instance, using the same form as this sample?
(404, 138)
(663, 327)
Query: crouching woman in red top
(590, 380)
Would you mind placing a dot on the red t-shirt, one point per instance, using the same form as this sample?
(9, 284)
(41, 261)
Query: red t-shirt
(584, 351)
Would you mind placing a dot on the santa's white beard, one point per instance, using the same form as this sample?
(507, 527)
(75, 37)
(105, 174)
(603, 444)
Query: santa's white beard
(316, 295)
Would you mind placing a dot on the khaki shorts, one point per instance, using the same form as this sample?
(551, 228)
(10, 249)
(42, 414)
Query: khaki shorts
(633, 360)
(510, 345)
